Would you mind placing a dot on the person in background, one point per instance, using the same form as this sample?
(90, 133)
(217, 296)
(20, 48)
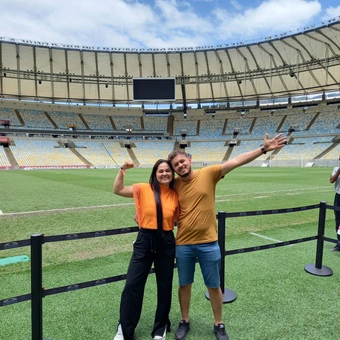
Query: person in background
(157, 209)
(336, 180)
(197, 233)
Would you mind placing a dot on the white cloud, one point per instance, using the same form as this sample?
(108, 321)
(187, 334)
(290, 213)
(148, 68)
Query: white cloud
(236, 5)
(97, 23)
(159, 23)
(331, 13)
(270, 16)
(175, 17)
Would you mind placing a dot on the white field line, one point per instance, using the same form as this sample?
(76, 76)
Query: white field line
(218, 199)
(268, 238)
(265, 237)
(37, 212)
(297, 193)
(288, 191)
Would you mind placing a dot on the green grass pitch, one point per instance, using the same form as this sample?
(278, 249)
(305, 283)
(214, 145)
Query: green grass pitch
(276, 298)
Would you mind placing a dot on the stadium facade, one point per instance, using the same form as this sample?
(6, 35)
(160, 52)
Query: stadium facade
(285, 83)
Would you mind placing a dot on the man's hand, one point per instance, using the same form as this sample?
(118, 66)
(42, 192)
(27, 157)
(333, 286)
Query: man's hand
(275, 143)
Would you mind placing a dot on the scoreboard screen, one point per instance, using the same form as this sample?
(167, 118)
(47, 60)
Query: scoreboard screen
(154, 89)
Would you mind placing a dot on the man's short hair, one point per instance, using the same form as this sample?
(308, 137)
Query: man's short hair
(175, 153)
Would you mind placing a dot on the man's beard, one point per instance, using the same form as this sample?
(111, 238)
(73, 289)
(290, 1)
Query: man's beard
(185, 174)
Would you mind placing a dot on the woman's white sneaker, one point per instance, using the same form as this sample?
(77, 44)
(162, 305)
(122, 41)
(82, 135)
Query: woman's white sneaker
(119, 335)
(159, 337)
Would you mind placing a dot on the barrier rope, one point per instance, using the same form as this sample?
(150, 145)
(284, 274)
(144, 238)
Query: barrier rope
(110, 232)
(15, 244)
(269, 246)
(271, 212)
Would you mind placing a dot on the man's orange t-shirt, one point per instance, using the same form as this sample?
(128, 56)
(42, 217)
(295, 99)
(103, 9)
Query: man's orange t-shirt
(197, 218)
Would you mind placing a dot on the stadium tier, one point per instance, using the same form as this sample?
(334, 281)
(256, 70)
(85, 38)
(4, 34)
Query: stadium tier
(46, 137)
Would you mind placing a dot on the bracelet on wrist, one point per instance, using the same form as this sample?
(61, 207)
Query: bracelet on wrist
(122, 170)
(263, 149)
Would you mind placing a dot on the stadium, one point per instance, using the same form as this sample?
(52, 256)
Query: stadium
(224, 100)
(73, 114)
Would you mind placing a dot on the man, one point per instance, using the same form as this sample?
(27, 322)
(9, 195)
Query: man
(197, 234)
(336, 180)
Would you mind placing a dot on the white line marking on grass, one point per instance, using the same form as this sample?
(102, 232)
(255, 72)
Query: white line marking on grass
(265, 237)
(37, 212)
(268, 238)
(277, 192)
(223, 198)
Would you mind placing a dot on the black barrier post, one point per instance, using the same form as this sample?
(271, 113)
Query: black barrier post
(317, 268)
(227, 294)
(36, 286)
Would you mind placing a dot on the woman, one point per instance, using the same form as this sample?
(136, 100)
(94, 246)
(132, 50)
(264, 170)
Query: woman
(156, 211)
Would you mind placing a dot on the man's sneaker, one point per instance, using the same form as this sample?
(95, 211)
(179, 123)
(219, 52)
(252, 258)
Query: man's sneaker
(220, 332)
(336, 248)
(119, 335)
(182, 330)
(160, 337)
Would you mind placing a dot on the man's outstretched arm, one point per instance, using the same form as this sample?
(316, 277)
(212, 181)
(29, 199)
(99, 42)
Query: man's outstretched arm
(268, 145)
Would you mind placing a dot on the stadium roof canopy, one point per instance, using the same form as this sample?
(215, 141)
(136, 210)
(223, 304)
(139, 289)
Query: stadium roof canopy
(286, 65)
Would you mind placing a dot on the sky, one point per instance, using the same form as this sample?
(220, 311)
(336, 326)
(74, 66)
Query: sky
(142, 24)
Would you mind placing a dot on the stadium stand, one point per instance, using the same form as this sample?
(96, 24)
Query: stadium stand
(155, 123)
(334, 153)
(247, 146)
(264, 124)
(102, 154)
(326, 122)
(63, 119)
(117, 151)
(121, 122)
(305, 148)
(211, 128)
(185, 124)
(314, 136)
(3, 158)
(207, 152)
(9, 114)
(148, 152)
(241, 123)
(98, 122)
(35, 119)
(43, 153)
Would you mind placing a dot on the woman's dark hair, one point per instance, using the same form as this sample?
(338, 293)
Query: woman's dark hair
(156, 189)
